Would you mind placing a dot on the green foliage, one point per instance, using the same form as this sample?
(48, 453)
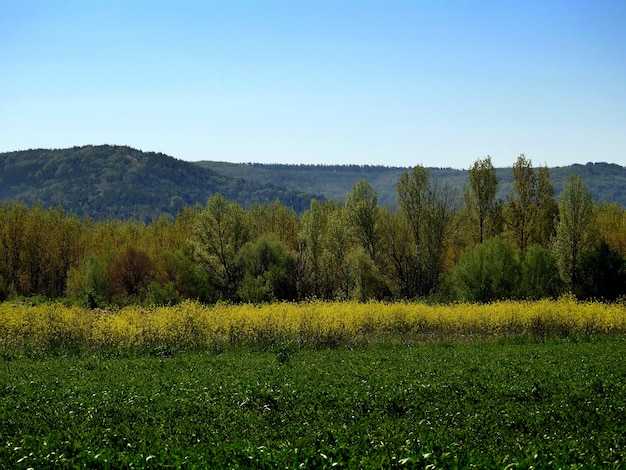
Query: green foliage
(547, 405)
(90, 286)
(363, 212)
(188, 278)
(489, 271)
(541, 277)
(221, 229)
(574, 230)
(544, 227)
(158, 294)
(431, 211)
(268, 272)
(37, 248)
(522, 207)
(480, 198)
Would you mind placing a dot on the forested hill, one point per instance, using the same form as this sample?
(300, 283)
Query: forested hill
(124, 183)
(606, 182)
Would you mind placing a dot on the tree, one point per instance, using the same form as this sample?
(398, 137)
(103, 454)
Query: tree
(441, 221)
(430, 211)
(522, 206)
(399, 253)
(90, 283)
(363, 213)
(337, 245)
(611, 222)
(267, 268)
(12, 221)
(131, 273)
(221, 230)
(489, 271)
(573, 234)
(547, 209)
(316, 279)
(412, 198)
(277, 221)
(540, 274)
(480, 197)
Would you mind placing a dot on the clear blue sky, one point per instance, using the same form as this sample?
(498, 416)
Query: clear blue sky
(399, 83)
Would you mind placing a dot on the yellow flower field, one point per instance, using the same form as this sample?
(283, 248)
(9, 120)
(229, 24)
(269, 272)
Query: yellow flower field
(313, 324)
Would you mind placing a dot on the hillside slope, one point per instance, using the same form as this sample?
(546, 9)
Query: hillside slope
(606, 182)
(120, 182)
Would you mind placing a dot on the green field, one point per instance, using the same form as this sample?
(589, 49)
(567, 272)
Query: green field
(515, 404)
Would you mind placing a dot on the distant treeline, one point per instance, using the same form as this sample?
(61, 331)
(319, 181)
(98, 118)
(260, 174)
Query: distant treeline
(605, 181)
(440, 244)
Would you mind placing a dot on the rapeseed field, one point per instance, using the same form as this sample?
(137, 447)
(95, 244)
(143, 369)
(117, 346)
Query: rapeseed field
(191, 325)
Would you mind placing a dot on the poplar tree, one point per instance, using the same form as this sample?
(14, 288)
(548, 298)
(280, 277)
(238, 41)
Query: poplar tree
(547, 209)
(523, 203)
(573, 230)
(480, 197)
(363, 214)
(430, 211)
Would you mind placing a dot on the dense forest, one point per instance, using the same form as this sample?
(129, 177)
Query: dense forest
(439, 244)
(107, 182)
(606, 182)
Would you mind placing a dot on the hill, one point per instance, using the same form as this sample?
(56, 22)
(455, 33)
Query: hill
(606, 182)
(124, 183)
(121, 182)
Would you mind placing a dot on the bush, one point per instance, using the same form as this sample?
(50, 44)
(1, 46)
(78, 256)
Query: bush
(541, 277)
(490, 271)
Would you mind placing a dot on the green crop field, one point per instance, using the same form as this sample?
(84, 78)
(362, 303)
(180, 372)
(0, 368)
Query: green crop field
(511, 403)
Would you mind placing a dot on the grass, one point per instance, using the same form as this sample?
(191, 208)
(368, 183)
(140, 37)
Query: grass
(513, 403)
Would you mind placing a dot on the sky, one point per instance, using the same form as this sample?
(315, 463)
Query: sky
(396, 83)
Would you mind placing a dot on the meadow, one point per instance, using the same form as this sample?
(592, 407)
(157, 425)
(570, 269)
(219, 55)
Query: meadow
(314, 385)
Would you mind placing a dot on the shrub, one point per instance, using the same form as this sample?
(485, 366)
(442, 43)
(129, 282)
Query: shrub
(540, 271)
(490, 271)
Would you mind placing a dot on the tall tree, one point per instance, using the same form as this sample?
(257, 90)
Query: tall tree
(480, 197)
(276, 220)
(611, 223)
(547, 209)
(337, 244)
(440, 222)
(522, 206)
(489, 271)
(221, 230)
(429, 209)
(399, 253)
(13, 219)
(412, 197)
(313, 236)
(573, 234)
(363, 214)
